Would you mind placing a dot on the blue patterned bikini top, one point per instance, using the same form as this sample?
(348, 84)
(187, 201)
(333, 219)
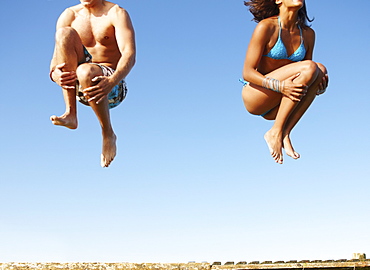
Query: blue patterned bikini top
(279, 52)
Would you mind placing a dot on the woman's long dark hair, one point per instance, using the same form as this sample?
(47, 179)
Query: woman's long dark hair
(262, 9)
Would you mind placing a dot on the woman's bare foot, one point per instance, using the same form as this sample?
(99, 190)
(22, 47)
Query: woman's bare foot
(289, 150)
(66, 120)
(275, 144)
(109, 150)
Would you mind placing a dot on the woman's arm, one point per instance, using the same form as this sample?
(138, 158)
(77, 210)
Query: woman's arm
(309, 41)
(260, 38)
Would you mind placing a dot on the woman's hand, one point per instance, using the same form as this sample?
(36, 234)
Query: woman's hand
(323, 85)
(66, 80)
(294, 91)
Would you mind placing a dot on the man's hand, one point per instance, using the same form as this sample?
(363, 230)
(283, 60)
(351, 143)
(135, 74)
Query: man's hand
(66, 80)
(292, 90)
(99, 91)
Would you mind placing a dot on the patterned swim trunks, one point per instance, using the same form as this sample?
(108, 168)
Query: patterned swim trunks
(116, 95)
(87, 57)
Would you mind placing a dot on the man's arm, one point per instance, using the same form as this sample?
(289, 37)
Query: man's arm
(64, 20)
(125, 36)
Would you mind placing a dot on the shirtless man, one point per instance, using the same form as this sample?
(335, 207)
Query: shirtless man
(94, 52)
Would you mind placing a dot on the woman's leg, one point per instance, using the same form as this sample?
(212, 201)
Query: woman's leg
(299, 110)
(258, 100)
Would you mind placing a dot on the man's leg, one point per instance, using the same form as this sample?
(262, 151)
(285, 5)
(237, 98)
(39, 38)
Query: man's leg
(85, 74)
(69, 50)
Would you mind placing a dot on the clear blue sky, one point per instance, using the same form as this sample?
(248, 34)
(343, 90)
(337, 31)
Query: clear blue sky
(193, 179)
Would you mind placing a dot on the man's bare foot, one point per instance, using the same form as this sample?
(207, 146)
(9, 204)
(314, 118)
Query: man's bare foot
(66, 120)
(275, 144)
(109, 150)
(289, 150)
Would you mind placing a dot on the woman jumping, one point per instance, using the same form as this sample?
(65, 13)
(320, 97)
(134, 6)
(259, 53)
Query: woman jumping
(280, 78)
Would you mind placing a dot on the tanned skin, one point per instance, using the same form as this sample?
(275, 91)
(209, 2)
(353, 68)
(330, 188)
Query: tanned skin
(303, 80)
(106, 31)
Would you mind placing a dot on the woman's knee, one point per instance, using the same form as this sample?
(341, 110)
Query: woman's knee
(322, 68)
(309, 67)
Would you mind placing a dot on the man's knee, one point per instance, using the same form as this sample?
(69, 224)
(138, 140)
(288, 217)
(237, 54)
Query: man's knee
(65, 33)
(86, 72)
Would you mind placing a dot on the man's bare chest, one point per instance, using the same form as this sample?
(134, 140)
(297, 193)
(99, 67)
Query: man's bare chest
(93, 31)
